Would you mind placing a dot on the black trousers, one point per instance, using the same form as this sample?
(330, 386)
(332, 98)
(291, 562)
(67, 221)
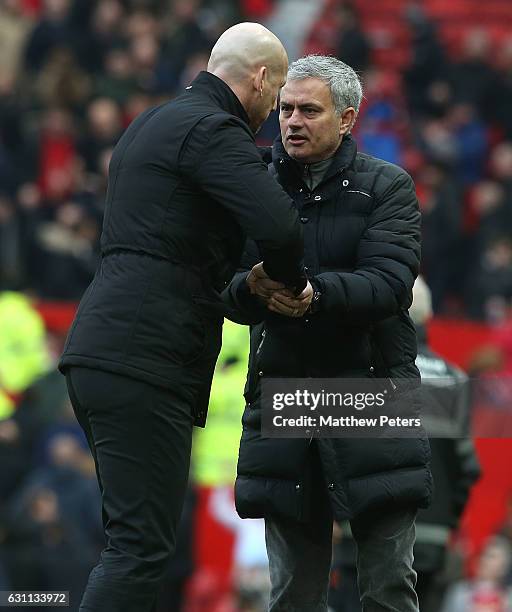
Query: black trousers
(140, 437)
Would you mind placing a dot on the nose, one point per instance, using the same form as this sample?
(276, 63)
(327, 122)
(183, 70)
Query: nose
(295, 119)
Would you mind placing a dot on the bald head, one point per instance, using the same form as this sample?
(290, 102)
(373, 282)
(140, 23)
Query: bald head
(244, 48)
(253, 62)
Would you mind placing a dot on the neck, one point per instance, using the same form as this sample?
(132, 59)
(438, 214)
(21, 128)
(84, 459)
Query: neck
(236, 87)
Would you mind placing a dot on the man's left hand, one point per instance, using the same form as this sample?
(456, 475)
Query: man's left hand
(284, 303)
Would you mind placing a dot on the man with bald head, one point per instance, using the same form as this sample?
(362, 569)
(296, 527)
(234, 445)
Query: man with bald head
(186, 188)
(249, 54)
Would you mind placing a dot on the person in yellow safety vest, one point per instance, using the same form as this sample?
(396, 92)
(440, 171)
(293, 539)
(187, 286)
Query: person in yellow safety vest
(215, 448)
(6, 406)
(23, 353)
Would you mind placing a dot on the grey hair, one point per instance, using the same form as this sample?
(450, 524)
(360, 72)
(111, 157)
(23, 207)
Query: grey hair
(345, 85)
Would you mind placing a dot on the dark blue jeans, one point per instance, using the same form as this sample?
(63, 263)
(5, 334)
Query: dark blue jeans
(300, 559)
(140, 437)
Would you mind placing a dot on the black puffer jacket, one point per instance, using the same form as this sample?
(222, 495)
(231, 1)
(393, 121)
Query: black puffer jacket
(186, 186)
(361, 235)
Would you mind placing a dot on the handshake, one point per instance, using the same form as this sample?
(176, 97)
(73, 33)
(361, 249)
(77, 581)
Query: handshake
(276, 296)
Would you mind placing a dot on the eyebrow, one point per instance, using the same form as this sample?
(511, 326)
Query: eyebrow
(313, 105)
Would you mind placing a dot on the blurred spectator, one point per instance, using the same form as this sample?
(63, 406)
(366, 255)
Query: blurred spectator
(485, 592)
(192, 68)
(353, 48)
(68, 472)
(23, 354)
(57, 153)
(324, 36)
(45, 551)
(118, 80)
(493, 210)
(11, 246)
(437, 142)
(41, 404)
(490, 288)
(251, 579)
(443, 250)
(105, 32)
(66, 253)
(455, 466)
(257, 9)
(382, 117)
(428, 58)
(215, 448)
(152, 71)
(501, 103)
(61, 82)
(473, 79)
(104, 126)
(183, 35)
(14, 29)
(51, 31)
(16, 162)
(458, 140)
(445, 414)
(501, 168)
(215, 452)
(15, 461)
(470, 137)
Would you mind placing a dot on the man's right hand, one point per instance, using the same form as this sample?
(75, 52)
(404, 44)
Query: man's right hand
(261, 284)
(289, 305)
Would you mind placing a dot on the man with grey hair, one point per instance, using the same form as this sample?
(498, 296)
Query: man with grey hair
(361, 237)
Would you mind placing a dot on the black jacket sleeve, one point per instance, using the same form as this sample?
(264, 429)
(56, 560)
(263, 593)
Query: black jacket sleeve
(387, 260)
(244, 307)
(221, 157)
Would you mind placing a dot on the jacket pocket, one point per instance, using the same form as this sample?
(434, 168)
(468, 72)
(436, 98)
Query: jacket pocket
(189, 337)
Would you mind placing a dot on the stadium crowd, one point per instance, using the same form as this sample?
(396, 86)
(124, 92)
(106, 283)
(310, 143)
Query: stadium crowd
(73, 74)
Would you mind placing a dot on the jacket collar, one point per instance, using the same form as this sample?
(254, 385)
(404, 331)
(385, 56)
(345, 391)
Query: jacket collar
(220, 93)
(288, 169)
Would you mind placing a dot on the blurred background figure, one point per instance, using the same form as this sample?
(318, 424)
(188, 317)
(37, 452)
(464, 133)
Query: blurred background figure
(488, 590)
(445, 397)
(251, 582)
(445, 400)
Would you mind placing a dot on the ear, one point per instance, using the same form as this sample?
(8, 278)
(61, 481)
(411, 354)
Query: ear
(260, 78)
(347, 120)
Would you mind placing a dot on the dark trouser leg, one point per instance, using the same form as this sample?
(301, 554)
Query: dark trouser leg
(300, 555)
(385, 540)
(140, 437)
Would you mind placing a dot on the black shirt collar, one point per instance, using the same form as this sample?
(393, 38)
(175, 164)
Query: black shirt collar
(217, 90)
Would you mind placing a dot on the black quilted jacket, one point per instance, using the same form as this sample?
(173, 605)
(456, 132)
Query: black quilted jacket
(186, 186)
(362, 250)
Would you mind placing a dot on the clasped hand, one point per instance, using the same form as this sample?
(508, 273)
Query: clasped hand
(275, 294)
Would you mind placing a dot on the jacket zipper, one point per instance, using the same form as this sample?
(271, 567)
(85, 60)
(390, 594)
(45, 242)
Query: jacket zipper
(263, 333)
